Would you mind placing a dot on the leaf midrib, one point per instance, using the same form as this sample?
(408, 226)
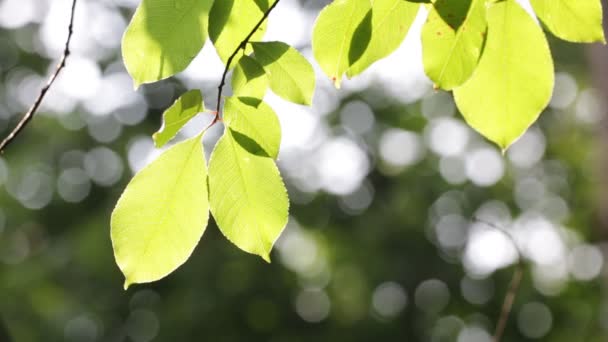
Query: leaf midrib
(254, 128)
(347, 29)
(171, 192)
(457, 37)
(241, 178)
(279, 64)
(376, 27)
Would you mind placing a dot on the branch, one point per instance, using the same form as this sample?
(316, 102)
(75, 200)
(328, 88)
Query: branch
(520, 252)
(242, 45)
(34, 108)
(507, 304)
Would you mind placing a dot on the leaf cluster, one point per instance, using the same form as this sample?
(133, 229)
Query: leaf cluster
(492, 54)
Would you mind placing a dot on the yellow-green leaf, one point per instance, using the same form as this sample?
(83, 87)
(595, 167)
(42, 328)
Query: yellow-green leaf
(176, 116)
(332, 37)
(291, 76)
(230, 21)
(452, 39)
(250, 118)
(247, 196)
(514, 79)
(162, 214)
(381, 32)
(573, 20)
(163, 37)
(249, 79)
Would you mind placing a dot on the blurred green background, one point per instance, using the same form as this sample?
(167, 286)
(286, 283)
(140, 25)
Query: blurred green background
(396, 208)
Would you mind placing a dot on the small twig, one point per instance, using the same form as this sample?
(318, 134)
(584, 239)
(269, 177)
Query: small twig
(242, 45)
(32, 111)
(507, 304)
(520, 252)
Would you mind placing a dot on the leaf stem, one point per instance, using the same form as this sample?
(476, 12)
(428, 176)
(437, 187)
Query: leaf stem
(242, 45)
(27, 117)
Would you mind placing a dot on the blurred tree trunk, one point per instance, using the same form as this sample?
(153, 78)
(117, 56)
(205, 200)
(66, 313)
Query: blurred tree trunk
(598, 54)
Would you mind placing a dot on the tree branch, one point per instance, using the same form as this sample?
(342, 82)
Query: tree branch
(242, 45)
(32, 111)
(507, 304)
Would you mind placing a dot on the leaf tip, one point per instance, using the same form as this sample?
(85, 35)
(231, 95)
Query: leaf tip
(336, 81)
(504, 146)
(266, 257)
(307, 101)
(127, 284)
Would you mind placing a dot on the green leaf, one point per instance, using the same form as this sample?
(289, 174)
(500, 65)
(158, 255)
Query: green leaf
(382, 31)
(452, 40)
(332, 37)
(163, 38)
(572, 20)
(291, 76)
(176, 116)
(162, 214)
(253, 119)
(249, 79)
(514, 79)
(230, 21)
(247, 196)
(263, 5)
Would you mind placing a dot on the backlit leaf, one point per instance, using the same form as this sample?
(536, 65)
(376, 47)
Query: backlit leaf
(381, 32)
(255, 120)
(291, 76)
(230, 21)
(452, 40)
(572, 20)
(163, 38)
(249, 79)
(176, 116)
(332, 37)
(514, 79)
(162, 214)
(247, 196)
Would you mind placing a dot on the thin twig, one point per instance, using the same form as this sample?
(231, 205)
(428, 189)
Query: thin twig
(518, 272)
(32, 111)
(507, 304)
(242, 45)
(520, 252)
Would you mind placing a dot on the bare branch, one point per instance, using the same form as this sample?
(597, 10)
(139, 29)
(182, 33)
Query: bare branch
(505, 232)
(507, 304)
(32, 111)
